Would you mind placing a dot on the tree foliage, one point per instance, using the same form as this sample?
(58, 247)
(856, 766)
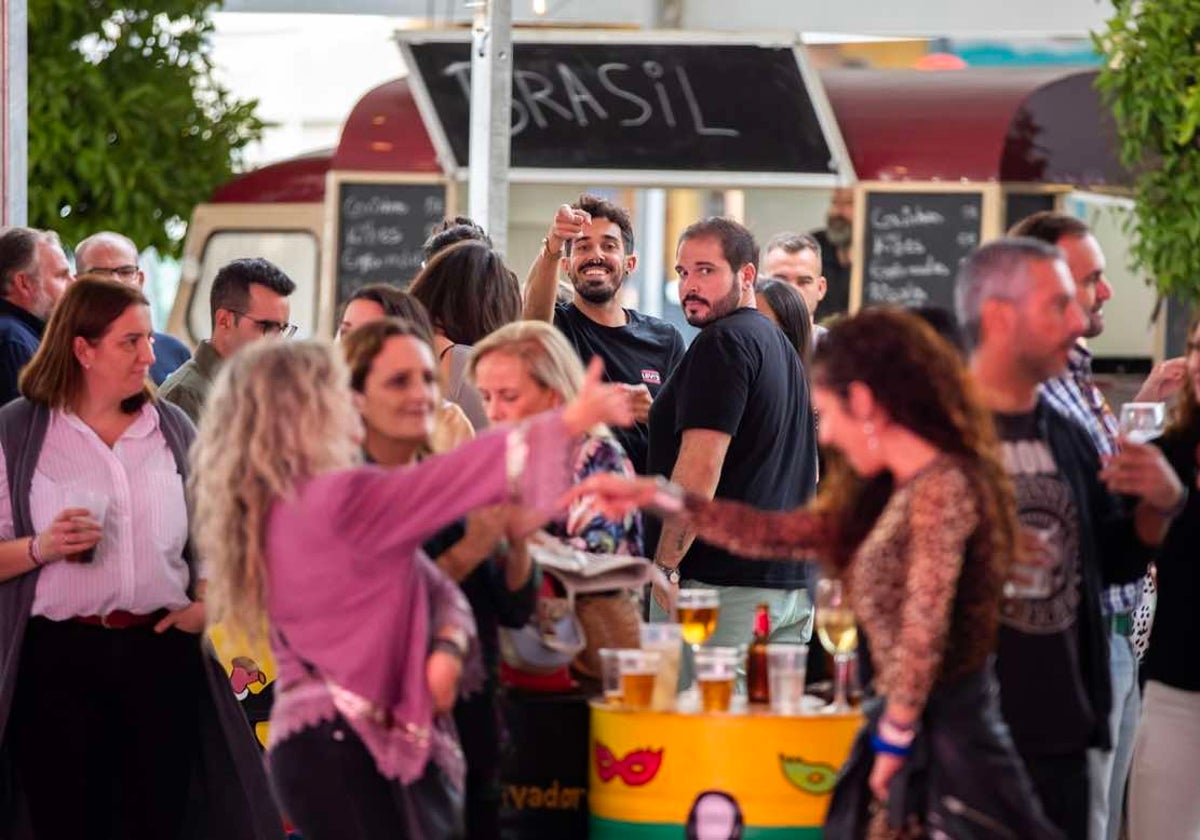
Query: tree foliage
(128, 128)
(1151, 78)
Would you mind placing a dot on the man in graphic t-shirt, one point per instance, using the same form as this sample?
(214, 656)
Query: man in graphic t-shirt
(1016, 299)
(592, 239)
(734, 421)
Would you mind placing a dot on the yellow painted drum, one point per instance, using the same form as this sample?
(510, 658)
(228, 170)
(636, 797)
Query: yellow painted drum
(659, 774)
(251, 670)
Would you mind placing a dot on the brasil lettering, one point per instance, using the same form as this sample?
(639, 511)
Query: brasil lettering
(631, 95)
(552, 798)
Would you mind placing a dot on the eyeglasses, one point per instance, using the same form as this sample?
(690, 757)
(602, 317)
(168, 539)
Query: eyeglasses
(280, 328)
(123, 271)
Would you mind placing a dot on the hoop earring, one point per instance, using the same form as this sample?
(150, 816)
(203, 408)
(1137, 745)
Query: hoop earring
(872, 438)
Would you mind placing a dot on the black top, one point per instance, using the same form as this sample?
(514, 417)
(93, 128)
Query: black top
(837, 279)
(741, 377)
(643, 352)
(20, 334)
(1172, 658)
(1044, 698)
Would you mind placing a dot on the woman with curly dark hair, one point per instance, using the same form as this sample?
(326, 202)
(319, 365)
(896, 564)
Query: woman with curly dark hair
(1166, 757)
(915, 515)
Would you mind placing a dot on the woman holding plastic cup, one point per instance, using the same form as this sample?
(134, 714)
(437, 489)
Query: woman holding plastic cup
(109, 703)
(916, 517)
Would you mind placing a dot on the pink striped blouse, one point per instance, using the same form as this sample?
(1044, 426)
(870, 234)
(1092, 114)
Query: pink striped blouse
(139, 563)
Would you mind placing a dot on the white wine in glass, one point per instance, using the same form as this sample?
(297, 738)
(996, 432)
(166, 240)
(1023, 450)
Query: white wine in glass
(839, 636)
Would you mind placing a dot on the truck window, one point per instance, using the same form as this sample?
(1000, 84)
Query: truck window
(294, 251)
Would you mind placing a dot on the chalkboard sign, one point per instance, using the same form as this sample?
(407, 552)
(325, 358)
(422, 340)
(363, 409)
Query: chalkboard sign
(640, 106)
(913, 244)
(1019, 205)
(381, 228)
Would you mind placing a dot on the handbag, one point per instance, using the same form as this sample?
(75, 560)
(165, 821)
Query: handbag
(597, 609)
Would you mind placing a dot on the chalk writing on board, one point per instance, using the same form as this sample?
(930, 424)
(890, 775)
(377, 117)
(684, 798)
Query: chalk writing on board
(914, 244)
(382, 228)
(670, 91)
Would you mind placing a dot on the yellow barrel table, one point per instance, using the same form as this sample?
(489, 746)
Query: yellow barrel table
(659, 775)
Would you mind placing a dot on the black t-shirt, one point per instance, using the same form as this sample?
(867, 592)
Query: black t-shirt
(1172, 658)
(837, 279)
(643, 352)
(741, 377)
(1043, 694)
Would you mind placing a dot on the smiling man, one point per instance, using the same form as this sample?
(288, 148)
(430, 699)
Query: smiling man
(592, 241)
(734, 421)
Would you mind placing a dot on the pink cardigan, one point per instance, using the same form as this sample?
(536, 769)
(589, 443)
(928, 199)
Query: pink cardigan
(350, 590)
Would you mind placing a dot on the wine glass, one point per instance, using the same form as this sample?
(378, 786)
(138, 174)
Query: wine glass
(839, 636)
(696, 610)
(1142, 422)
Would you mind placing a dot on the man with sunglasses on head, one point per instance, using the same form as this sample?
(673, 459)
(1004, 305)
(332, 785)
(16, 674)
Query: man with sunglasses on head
(249, 302)
(113, 256)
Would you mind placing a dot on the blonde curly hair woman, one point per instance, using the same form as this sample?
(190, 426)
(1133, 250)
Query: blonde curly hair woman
(370, 639)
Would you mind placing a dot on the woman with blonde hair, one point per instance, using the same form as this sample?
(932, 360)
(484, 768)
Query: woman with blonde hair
(370, 639)
(114, 721)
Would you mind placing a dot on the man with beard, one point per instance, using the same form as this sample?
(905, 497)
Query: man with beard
(733, 421)
(1074, 394)
(34, 273)
(1017, 300)
(835, 242)
(592, 239)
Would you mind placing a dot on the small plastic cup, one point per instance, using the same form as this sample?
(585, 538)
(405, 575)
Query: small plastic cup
(610, 675)
(787, 667)
(667, 639)
(97, 505)
(716, 673)
(639, 668)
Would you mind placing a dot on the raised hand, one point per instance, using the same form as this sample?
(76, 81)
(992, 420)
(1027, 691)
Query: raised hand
(568, 223)
(1164, 381)
(598, 402)
(639, 402)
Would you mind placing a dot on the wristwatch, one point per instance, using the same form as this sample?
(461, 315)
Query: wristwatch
(672, 573)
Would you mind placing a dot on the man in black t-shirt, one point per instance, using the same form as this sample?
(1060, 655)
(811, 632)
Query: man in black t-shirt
(1016, 299)
(836, 241)
(593, 241)
(735, 422)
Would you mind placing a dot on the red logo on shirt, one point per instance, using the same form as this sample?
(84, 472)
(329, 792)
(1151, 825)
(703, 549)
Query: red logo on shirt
(651, 377)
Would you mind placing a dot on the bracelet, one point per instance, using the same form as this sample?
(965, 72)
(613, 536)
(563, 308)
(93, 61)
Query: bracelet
(447, 646)
(882, 746)
(546, 248)
(35, 552)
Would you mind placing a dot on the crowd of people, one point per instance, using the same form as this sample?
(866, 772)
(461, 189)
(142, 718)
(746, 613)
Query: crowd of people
(367, 506)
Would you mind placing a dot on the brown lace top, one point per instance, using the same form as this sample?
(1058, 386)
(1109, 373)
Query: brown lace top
(927, 598)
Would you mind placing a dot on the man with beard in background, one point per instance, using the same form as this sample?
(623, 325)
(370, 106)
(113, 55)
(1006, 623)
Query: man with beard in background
(592, 241)
(836, 242)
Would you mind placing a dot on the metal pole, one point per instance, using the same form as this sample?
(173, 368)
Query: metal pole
(491, 103)
(14, 111)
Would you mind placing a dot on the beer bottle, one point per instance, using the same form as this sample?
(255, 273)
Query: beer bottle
(757, 683)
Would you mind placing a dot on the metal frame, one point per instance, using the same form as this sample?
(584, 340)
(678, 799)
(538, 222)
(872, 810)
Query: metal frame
(990, 218)
(844, 176)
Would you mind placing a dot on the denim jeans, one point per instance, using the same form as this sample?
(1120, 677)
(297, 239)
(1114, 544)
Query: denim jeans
(1108, 770)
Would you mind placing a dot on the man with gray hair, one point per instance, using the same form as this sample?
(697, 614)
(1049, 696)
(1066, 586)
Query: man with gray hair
(1016, 298)
(34, 273)
(795, 258)
(114, 256)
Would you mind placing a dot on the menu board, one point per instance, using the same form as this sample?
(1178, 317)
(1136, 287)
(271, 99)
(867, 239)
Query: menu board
(913, 244)
(381, 228)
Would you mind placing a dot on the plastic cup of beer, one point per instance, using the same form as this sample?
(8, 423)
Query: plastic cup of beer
(94, 503)
(610, 675)
(787, 666)
(716, 673)
(667, 639)
(638, 671)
